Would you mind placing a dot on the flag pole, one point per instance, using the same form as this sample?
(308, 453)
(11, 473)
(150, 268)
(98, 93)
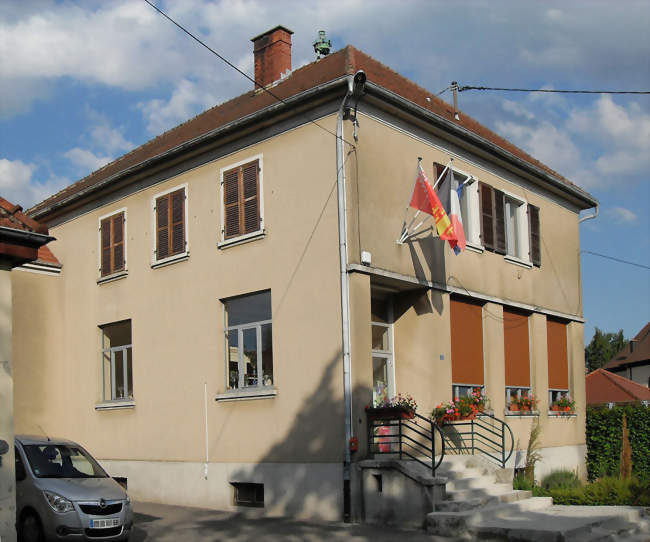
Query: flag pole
(405, 228)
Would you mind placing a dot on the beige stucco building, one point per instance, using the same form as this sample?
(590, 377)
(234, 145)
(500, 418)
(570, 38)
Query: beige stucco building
(201, 340)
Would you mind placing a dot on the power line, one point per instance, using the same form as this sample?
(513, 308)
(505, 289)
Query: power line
(468, 87)
(236, 68)
(616, 259)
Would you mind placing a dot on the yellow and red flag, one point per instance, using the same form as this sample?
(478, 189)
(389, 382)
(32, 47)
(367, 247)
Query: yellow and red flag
(426, 200)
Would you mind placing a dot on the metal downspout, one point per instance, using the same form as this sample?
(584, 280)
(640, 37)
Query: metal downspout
(589, 217)
(345, 289)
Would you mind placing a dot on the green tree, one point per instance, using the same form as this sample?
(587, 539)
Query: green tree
(602, 348)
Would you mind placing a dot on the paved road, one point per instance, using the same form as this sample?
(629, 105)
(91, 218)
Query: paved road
(164, 523)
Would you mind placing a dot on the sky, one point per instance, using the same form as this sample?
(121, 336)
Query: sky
(84, 82)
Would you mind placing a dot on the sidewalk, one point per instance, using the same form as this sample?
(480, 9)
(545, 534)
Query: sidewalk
(164, 523)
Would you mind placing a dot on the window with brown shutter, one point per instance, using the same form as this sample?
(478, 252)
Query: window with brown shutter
(535, 237)
(486, 200)
(466, 343)
(499, 222)
(558, 362)
(241, 202)
(112, 244)
(170, 224)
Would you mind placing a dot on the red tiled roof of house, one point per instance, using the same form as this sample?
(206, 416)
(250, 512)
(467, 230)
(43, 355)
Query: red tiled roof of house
(11, 216)
(605, 387)
(46, 257)
(343, 62)
(637, 350)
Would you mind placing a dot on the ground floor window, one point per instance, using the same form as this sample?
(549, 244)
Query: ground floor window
(249, 344)
(381, 321)
(117, 361)
(465, 390)
(516, 392)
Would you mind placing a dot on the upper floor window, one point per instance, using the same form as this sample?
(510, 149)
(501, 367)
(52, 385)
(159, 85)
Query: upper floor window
(509, 226)
(117, 361)
(242, 210)
(249, 344)
(170, 221)
(112, 241)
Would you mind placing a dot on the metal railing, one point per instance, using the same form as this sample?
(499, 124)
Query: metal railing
(485, 434)
(413, 438)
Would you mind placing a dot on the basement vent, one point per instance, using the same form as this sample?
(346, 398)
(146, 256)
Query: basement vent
(248, 494)
(379, 481)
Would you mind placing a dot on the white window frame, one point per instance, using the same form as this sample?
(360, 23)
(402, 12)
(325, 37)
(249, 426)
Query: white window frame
(251, 236)
(465, 390)
(388, 355)
(176, 257)
(519, 254)
(112, 351)
(119, 274)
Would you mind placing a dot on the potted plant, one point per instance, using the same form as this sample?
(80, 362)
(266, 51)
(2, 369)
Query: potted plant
(525, 403)
(563, 404)
(466, 407)
(399, 406)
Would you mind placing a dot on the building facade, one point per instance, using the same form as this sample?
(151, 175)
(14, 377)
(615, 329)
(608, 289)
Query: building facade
(195, 340)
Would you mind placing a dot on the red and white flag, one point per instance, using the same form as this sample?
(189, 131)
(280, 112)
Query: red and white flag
(425, 199)
(450, 198)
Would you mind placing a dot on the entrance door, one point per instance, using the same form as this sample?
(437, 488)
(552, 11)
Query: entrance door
(383, 367)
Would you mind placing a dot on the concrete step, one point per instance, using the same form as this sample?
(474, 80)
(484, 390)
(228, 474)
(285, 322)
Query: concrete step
(458, 523)
(470, 482)
(487, 500)
(485, 491)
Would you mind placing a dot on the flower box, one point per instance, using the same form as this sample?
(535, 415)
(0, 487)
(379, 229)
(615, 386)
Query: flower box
(390, 413)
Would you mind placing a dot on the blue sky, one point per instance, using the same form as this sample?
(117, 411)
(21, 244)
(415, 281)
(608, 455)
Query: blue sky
(84, 82)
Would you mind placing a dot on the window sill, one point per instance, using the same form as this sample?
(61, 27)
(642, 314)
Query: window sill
(115, 276)
(521, 413)
(172, 259)
(479, 249)
(242, 239)
(247, 394)
(556, 414)
(115, 405)
(518, 261)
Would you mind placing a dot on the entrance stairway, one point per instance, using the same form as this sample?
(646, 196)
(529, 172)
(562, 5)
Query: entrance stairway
(477, 501)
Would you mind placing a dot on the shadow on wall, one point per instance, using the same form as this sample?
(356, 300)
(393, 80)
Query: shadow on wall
(433, 253)
(310, 488)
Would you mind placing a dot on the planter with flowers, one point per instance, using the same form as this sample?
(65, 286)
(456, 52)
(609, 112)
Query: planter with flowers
(462, 408)
(563, 406)
(398, 407)
(523, 405)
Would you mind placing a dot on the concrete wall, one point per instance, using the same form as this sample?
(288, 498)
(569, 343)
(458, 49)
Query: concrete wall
(7, 472)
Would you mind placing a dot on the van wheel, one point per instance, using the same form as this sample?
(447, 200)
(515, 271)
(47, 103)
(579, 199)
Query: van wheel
(30, 528)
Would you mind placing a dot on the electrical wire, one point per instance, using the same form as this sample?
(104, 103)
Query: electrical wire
(237, 69)
(468, 87)
(616, 259)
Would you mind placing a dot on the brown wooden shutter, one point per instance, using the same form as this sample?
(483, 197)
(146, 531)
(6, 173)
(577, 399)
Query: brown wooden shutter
(466, 342)
(250, 181)
(105, 234)
(177, 226)
(162, 227)
(499, 222)
(231, 203)
(558, 363)
(438, 168)
(515, 342)
(118, 242)
(535, 235)
(241, 200)
(487, 215)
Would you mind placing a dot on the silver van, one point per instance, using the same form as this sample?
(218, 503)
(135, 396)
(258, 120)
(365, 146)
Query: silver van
(63, 494)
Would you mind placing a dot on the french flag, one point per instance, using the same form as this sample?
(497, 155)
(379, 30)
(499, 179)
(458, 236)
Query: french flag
(450, 199)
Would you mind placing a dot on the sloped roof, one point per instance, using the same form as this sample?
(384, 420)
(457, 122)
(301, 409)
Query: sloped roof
(605, 387)
(11, 216)
(343, 62)
(47, 257)
(639, 354)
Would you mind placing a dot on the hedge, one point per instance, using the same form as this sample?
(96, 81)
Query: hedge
(606, 491)
(604, 440)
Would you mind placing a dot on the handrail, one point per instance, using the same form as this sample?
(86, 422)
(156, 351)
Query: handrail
(412, 436)
(478, 439)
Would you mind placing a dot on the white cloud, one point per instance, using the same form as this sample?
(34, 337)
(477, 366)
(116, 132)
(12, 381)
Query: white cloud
(18, 185)
(622, 215)
(86, 160)
(104, 135)
(517, 109)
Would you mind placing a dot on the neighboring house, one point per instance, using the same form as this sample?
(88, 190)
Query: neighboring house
(219, 326)
(603, 387)
(22, 242)
(633, 361)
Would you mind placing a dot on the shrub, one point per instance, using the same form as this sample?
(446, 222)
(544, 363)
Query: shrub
(606, 491)
(521, 482)
(561, 479)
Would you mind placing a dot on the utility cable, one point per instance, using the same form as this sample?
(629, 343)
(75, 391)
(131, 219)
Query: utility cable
(468, 87)
(236, 68)
(615, 259)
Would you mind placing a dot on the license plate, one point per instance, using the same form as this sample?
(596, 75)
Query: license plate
(104, 523)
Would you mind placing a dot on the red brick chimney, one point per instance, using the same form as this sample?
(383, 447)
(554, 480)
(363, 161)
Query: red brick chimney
(272, 51)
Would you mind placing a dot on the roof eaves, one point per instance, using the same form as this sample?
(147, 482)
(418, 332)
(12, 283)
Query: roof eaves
(579, 194)
(194, 142)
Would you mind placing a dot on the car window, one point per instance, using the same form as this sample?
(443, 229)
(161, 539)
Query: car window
(62, 461)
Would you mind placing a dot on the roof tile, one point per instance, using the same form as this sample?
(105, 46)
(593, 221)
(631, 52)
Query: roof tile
(605, 387)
